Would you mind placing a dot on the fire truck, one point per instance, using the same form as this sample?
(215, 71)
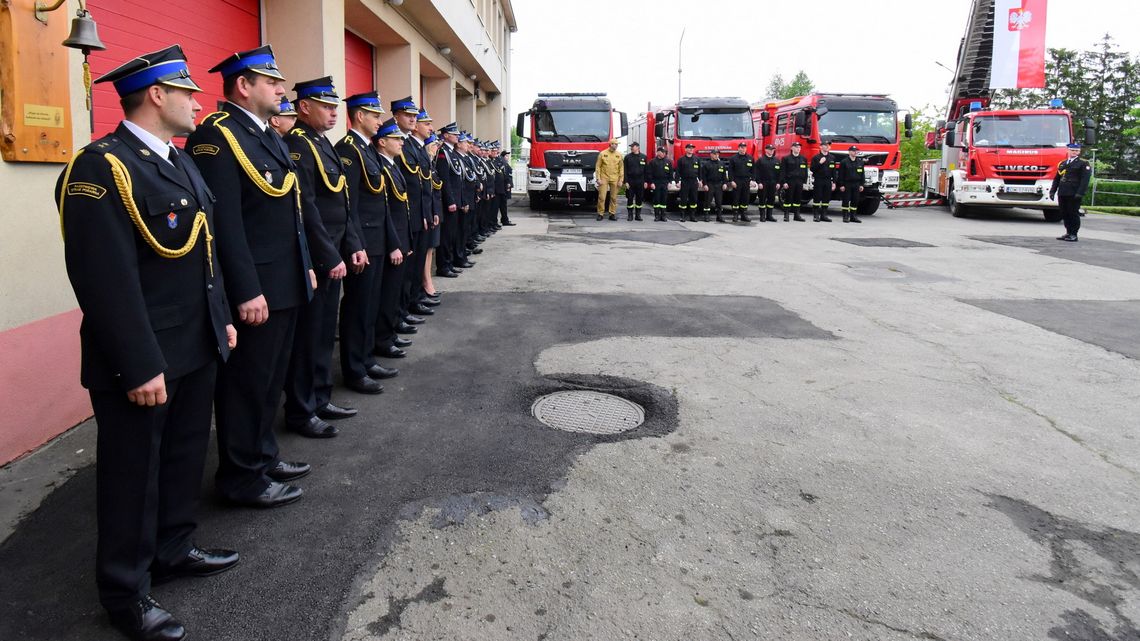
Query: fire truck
(994, 158)
(869, 121)
(706, 123)
(566, 131)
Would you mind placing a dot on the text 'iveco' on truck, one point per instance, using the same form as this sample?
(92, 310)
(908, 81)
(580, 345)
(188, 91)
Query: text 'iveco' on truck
(566, 131)
(868, 121)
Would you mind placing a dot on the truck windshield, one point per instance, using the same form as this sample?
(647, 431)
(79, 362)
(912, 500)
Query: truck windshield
(572, 126)
(715, 125)
(859, 126)
(1021, 130)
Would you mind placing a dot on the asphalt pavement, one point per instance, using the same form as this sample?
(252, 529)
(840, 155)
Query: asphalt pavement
(920, 427)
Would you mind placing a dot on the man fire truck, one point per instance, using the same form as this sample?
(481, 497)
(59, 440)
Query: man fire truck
(704, 123)
(843, 119)
(994, 158)
(566, 132)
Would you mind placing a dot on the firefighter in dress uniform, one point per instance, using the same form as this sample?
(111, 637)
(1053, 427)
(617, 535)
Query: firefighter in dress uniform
(264, 250)
(658, 174)
(740, 173)
(138, 222)
(324, 198)
(793, 177)
(449, 170)
(1069, 187)
(851, 184)
(634, 163)
(823, 174)
(504, 185)
(714, 180)
(767, 177)
(285, 119)
(687, 171)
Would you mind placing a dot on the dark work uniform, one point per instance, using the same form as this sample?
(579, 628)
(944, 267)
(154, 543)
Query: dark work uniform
(1070, 185)
(740, 172)
(504, 184)
(687, 170)
(714, 175)
(449, 170)
(263, 246)
(658, 174)
(414, 164)
(399, 237)
(823, 174)
(144, 314)
(793, 173)
(851, 179)
(324, 198)
(368, 206)
(767, 173)
(635, 177)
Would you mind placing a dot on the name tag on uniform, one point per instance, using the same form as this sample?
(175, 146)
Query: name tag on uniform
(90, 190)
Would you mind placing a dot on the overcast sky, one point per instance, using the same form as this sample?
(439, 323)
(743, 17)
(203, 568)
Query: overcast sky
(628, 48)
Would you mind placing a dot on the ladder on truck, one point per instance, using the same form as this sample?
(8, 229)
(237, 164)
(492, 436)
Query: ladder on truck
(971, 82)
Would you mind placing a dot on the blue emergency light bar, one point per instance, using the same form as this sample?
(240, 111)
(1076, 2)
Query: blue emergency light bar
(976, 105)
(1056, 103)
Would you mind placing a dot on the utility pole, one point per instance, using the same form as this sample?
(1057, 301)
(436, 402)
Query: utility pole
(679, 42)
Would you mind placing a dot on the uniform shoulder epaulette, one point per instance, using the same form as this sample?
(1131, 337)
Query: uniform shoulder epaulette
(214, 118)
(347, 139)
(104, 144)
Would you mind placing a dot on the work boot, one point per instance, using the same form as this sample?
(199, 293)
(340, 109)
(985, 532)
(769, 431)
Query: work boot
(637, 216)
(613, 217)
(787, 216)
(797, 217)
(599, 216)
(855, 219)
(707, 216)
(735, 216)
(629, 215)
(823, 217)
(846, 217)
(769, 217)
(815, 218)
(719, 218)
(745, 218)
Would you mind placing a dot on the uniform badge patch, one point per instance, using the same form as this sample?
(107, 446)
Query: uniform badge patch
(268, 176)
(145, 152)
(200, 150)
(90, 190)
(295, 156)
(172, 220)
(347, 162)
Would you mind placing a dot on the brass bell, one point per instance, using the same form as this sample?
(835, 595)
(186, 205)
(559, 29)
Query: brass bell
(83, 34)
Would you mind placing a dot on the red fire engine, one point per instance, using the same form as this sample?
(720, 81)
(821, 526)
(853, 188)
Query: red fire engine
(869, 121)
(566, 131)
(706, 123)
(994, 158)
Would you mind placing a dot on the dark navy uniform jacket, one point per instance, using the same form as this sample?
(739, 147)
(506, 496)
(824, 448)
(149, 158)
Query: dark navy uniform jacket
(687, 168)
(368, 200)
(396, 190)
(659, 172)
(767, 169)
(144, 314)
(794, 169)
(332, 232)
(714, 172)
(449, 169)
(635, 168)
(470, 181)
(415, 156)
(850, 171)
(740, 167)
(261, 238)
(1072, 177)
(823, 168)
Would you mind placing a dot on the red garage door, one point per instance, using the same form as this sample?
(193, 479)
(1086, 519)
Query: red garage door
(359, 65)
(208, 31)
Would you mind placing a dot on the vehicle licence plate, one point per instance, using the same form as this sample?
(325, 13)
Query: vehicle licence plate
(572, 170)
(871, 174)
(1021, 189)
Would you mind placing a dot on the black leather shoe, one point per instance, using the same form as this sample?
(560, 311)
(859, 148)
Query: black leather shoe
(276, 495)
(332, 412)
(421, 309)
(379, 372)
(286, 471)
(412, 319)
(198, 562)
(366, 385)
(456, 270)
(146, 620)
(313, 428)
(448, 274)
(477, 250)
(1069, 238)
(430, 301)
(402, 342)
(404, 328)
(467, 265)
(391, 351)
(599, 217)
(508, 224)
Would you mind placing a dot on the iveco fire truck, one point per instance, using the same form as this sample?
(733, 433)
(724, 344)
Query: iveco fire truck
(994, 158)
(869, 121)
(566, 131)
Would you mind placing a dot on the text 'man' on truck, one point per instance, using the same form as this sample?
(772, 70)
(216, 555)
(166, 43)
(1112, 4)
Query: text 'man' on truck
(566, 131)
(868, 121)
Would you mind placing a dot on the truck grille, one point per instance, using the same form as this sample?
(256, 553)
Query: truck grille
(870, 159)
(559, 160)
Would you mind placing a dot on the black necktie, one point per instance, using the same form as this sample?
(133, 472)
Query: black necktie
(176, 159)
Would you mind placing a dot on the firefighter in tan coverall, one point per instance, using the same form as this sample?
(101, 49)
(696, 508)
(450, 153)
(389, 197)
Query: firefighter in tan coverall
(610, 173)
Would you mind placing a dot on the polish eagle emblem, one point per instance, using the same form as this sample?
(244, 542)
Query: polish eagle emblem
(1019, 19)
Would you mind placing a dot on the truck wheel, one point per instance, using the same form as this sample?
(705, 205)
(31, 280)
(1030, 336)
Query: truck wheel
(1052, 215)
(957, 209)
(537, 200)
(868, 206)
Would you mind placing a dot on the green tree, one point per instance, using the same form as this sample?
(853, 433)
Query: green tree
(912, 150)
(775, 86)
(800, 85)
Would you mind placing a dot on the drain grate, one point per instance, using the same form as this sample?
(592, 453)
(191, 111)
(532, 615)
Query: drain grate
(588, 412)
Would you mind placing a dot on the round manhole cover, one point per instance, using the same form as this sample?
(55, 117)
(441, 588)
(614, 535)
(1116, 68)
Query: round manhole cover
(588, 412)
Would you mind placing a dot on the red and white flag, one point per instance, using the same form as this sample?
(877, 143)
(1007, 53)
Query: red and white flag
(1019, 45)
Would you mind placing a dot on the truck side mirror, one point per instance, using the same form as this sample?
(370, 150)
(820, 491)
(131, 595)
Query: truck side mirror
(908, 126)
(801, 118)
(950, 142)
(659, 130)
(519, 125)
(800, 131)
(1090, 131)
(764, 115)
(766, 128)
(624, 124)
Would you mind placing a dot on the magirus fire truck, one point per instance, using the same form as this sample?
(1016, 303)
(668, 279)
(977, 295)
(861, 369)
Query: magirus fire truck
(566, 131)
(994, 158)
(869, 121)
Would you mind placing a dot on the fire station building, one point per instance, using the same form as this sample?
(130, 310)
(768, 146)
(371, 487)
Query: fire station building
(451, 56)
